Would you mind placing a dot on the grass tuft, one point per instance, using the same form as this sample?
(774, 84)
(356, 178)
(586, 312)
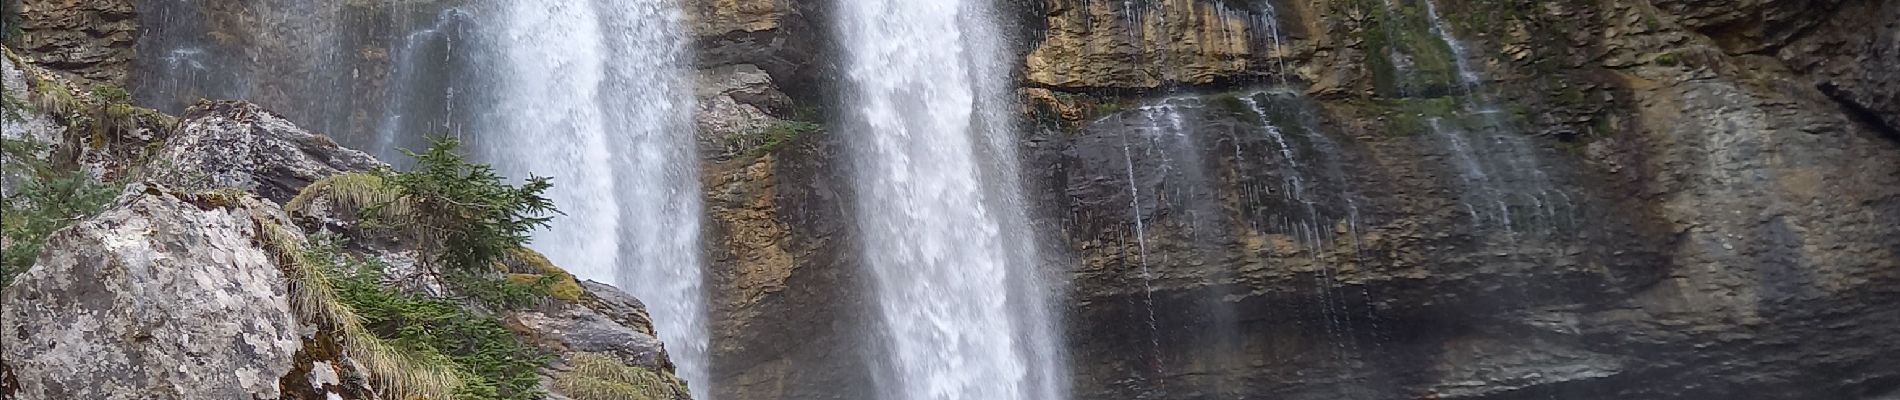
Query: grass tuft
(397, 373)
(600, 377)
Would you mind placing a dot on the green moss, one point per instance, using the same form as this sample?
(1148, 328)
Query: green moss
(1231, 104)
(225, 198)
(770, 138)
(1669, 58)
(556, 282)
(1405, 32)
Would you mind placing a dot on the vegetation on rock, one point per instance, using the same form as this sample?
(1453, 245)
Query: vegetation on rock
(459, 215)
(1405, 57)
(600, 377)
(462, 214)
(465, 221)
(768, 139)
(48, 201)
(490, 361)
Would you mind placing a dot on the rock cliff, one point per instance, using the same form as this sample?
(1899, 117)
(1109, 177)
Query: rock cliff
(1574, 199)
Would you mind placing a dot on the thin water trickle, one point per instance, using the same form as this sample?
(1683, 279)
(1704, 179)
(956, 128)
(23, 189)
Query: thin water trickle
(1141, 246)
(1270, 19)
(1467, 75)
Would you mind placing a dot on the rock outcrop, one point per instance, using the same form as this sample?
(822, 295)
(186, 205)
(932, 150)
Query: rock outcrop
(183, 288)
(164, 296)
(18, 123)
(232, 144)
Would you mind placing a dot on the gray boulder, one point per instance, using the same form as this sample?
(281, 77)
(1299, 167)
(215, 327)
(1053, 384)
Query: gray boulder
(163, 296)
(236, 144)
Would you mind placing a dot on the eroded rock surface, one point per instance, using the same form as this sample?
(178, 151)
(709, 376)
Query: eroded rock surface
(88, 41)
(1145, 44)
(163, 296)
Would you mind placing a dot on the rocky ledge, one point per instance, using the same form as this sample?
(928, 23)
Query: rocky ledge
(191, 284)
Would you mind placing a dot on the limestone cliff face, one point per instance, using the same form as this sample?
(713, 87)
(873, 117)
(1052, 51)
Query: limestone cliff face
(1145, 44)
(88, 41)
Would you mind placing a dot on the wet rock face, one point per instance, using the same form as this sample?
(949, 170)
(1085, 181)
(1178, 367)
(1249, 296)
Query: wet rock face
(1850, 58)
(1670, 199)
(1253, 244)
(241, 145)
(157, 298)
(90, 42)
(736, 106)
(779, 37)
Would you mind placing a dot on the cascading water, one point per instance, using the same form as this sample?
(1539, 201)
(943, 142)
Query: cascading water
(594, 93)
(951, 256)
(1505, 180)
(1161, 137)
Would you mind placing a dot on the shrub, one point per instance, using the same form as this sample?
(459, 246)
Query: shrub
(462, 215)
(47, 202)
(491, 362)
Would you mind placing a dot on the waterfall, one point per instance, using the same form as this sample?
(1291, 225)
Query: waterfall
(952, 261)
(317, 62)
(595, 94)
(1505, 181)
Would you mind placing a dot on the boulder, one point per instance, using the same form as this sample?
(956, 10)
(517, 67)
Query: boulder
(607, 321)
(163, 296)
(235, 144)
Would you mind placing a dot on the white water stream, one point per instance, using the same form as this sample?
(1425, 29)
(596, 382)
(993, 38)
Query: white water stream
(596, 94)
(951, 256)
